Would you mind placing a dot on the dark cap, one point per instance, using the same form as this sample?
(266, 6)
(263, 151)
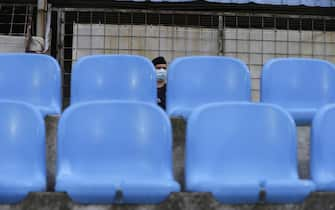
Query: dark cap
(159, 60)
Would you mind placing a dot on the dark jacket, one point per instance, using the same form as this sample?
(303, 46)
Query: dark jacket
(161, 96)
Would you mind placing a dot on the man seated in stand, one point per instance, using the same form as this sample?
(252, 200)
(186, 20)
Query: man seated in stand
(161, 74)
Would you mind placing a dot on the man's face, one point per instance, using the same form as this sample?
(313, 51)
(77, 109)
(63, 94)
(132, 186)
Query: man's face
(160, 83)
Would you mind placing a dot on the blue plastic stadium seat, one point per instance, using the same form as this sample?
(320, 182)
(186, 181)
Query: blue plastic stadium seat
(22, 151)
(124, 147)
(323, 149)
(31, 78)
(237, 150)
(198, 80)
(113, 77)
(300, 85)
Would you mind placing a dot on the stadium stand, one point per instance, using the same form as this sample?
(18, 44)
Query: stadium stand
(22, 150)
(31, 78)
(113, 77)
(256, 148)
(308, 87)
(115, 146)
(322, 149)
(104, 160)
(197, 80)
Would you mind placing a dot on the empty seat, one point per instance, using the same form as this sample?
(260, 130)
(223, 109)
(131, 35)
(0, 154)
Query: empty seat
(323, 149)
(123, 153)
(300, 85)
(113, 77)
(22, 151)
(237, 151)
(198, 80)
(31, 78)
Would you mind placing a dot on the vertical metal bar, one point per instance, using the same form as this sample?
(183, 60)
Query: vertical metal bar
(185, 34)
(105, 23)
(262, 54)
(324, 39)
(220, 37)
(145, 32)
(262, 41)
(60, 42)
(312, 38)
(199, 51)
(26, 19)
(28, 35)
(275, 39)
(287, 36)
(42, 6)
(60, 38)
(131, 32)
(211, 38)
(12, 20)
(91, 33)
(224, 36)
(63, 22)
(47, 34)
(249, 43)
(159, 33)
(300, 37)
(173, 38)
(78, 36)
(118, 32)
(59, 34)
(236, 36)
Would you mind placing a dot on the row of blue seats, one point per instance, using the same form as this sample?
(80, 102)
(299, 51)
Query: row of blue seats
(301, 86)
(121, 151)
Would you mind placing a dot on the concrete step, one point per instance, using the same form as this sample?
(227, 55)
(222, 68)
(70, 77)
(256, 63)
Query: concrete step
(51, 123)
(176, 201)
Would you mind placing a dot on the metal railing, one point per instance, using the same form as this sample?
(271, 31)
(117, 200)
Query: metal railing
(254, 38)
(15, 19)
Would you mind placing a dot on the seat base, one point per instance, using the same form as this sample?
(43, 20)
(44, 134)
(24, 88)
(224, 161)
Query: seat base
(131, 192)
(285, 191)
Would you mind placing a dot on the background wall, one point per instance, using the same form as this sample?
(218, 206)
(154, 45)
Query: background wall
(253, 46)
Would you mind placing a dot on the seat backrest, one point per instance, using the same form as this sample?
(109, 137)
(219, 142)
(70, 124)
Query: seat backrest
(228, 141)
(113, 77)
(323, 146)
(298, 83)
(31, 78)
(22, 140)
(198, 80)
(120, 138)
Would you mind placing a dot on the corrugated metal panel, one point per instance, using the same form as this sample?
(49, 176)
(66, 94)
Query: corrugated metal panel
(310, 3)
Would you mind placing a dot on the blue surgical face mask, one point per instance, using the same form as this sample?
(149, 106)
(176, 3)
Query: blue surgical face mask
(161, 74)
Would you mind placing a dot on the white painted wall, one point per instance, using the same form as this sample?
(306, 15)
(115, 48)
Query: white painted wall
(15, 44)
(149, 41)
